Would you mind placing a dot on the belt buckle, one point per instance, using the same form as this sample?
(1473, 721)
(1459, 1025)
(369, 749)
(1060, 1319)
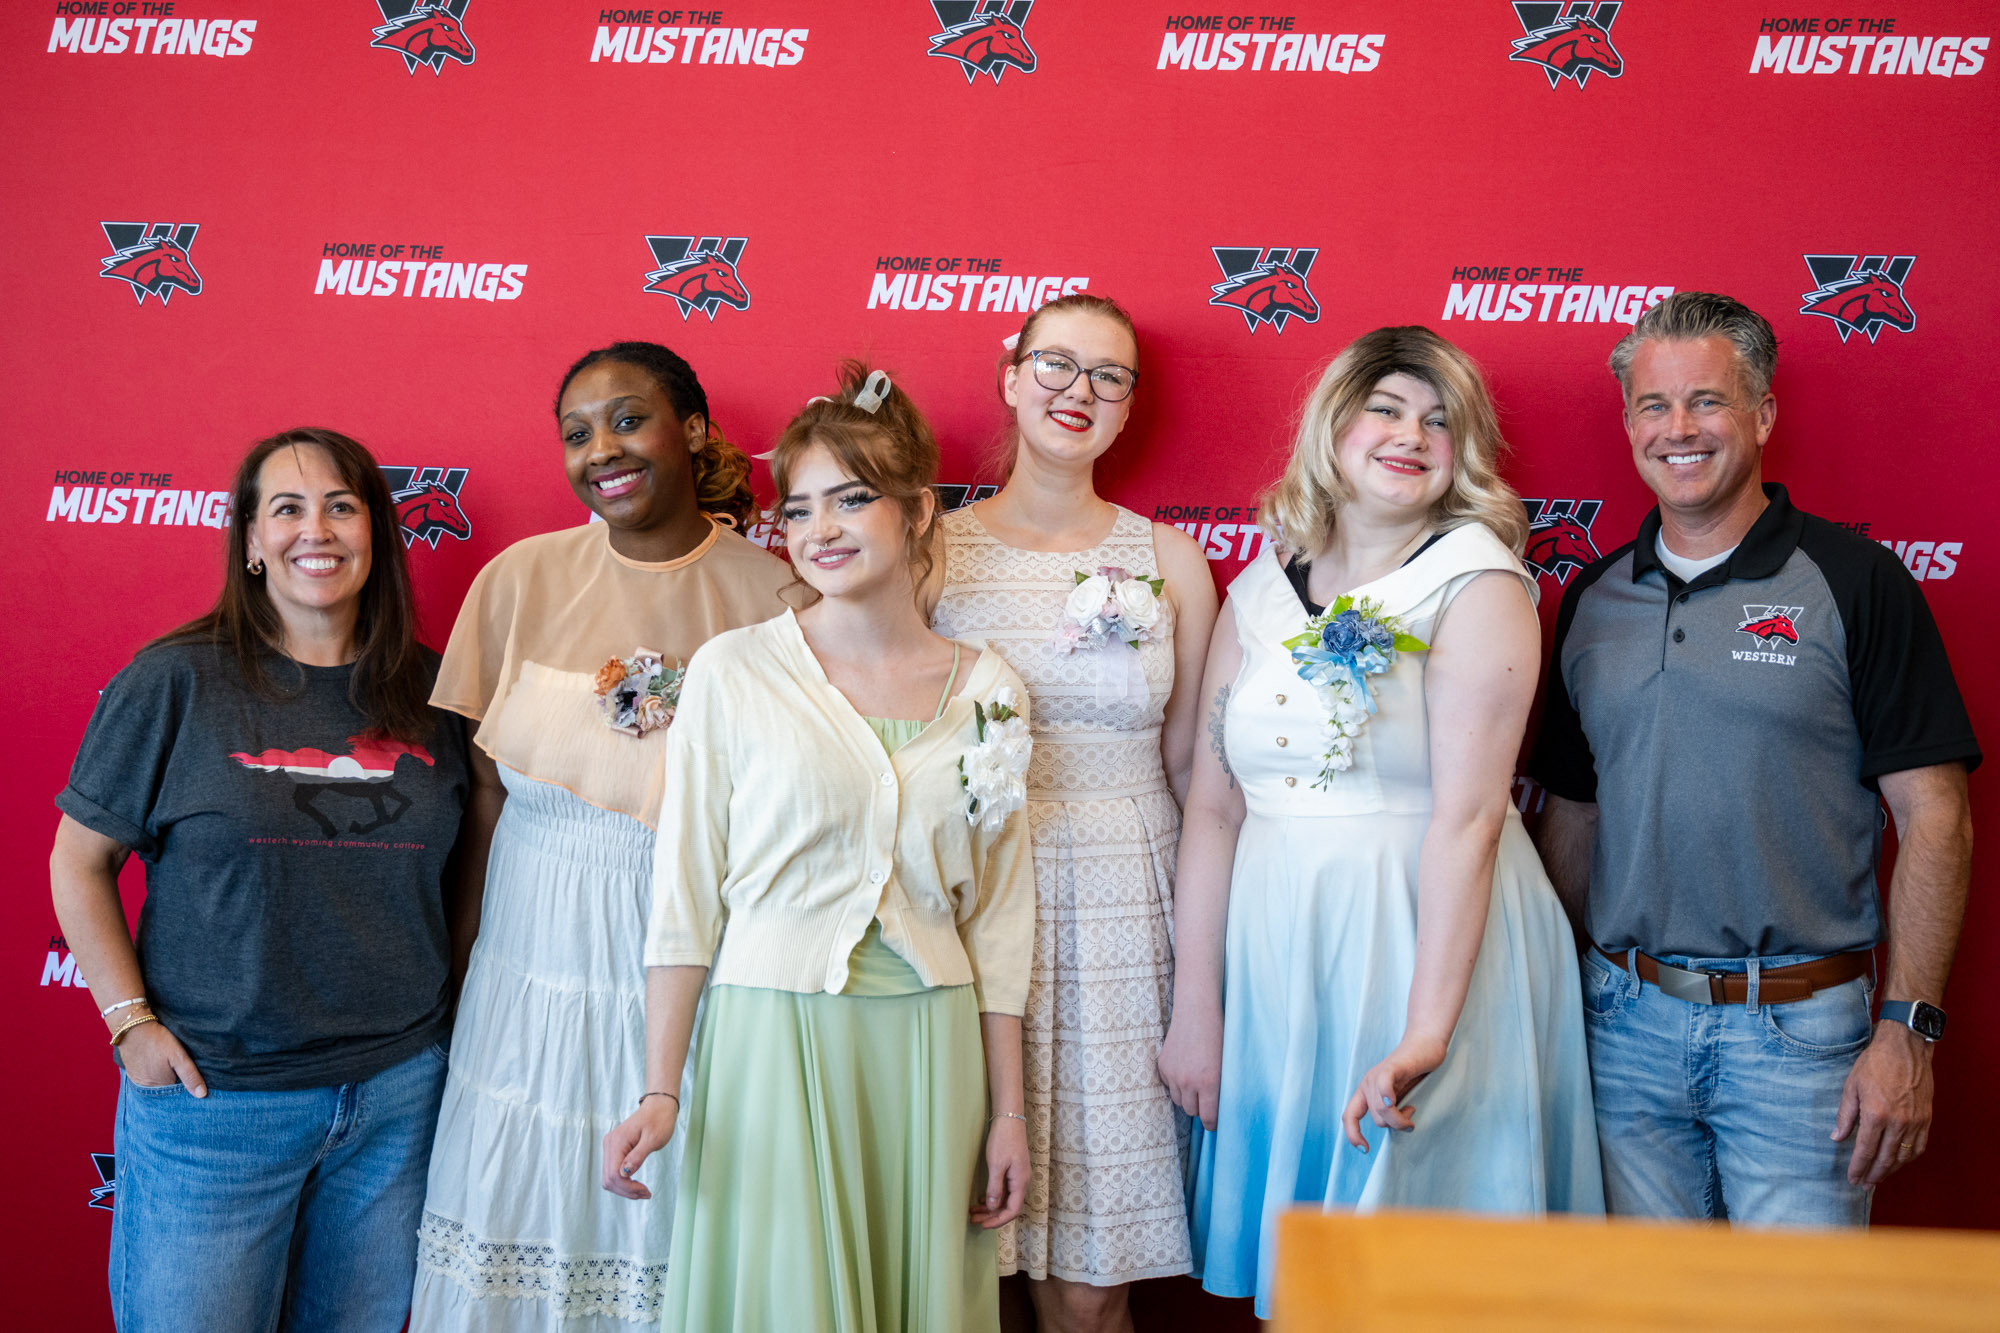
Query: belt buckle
(1690, 986)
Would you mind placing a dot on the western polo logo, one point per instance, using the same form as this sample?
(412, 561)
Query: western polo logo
(104, 1193)
(1265, 286)
(427, 504)
(424, 33)
(698, 272)
(1860, 293)
(153, 257)
(1559, 541)
(983, 36)
(1569, 41)
(1768, 624)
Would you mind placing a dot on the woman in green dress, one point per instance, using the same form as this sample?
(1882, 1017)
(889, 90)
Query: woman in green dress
(848, 875)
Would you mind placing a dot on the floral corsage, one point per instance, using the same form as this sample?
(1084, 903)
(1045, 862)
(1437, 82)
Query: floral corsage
(1109, 607)
(994, 772)
(638, 693)
(1343, 646)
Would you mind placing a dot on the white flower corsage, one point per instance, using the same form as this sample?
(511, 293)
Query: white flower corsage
(1109, 607)
(1343, 646)
(638, 693)
(994, 772)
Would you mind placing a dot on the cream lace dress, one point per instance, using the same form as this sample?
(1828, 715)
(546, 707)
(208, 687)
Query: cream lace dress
(1106, 1202)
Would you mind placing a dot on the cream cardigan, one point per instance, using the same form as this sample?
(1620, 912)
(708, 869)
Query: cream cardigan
(785, 829)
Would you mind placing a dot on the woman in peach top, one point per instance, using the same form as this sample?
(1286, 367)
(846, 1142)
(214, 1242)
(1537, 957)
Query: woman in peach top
(547, 1051)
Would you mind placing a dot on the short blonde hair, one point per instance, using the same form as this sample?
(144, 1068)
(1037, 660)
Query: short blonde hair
(1300, 511)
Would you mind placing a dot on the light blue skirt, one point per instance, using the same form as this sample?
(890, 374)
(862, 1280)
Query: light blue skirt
(1321, 944)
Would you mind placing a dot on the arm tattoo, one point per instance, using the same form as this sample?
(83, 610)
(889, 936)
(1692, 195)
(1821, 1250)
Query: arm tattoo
(1216, 728)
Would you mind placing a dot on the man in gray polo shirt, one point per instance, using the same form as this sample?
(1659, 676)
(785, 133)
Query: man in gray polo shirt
(1731, 699)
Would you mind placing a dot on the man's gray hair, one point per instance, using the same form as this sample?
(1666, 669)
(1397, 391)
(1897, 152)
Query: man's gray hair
(1686, 316)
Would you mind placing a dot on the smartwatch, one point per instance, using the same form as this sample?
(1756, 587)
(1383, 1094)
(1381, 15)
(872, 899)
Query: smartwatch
(1926, 1020)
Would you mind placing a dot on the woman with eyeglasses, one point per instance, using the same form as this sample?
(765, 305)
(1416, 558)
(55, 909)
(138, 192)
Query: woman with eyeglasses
(1106, 615)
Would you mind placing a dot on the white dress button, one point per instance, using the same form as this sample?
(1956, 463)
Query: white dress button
(1283, 741)
(888, 779)
(1291, 782)
(877, 876)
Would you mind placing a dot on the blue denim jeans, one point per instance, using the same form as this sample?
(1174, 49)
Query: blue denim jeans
(254, 1211)
(1723, 1110)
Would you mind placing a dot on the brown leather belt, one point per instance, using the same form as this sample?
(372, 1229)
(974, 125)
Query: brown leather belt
(1775, 985)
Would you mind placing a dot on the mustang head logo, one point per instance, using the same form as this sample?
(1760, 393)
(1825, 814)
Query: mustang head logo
(1866, 294)
(1270, 292)
(984, 36)
(1768, 623)
(153, 265)
(699, 272)
(702, 280)
(1559, 548)
(1559, 541)
(426, 34)
(1570, 42)
(427, 512)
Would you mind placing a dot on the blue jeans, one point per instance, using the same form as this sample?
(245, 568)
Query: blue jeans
(1723, 1110)
(245, 1212)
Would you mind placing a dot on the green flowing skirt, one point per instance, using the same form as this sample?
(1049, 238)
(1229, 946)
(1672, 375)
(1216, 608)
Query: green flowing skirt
(834, 1143)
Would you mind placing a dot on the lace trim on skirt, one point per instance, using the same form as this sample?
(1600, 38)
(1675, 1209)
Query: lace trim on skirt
(576, 1286)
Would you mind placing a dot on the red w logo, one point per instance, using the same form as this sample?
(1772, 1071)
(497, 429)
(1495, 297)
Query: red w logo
(983, 36)
(157, 264)
(1570, 42)
(427, 504)
(428, 34)
(1860, 293)
(1765, 623)
(699, 272)
(1265, 286)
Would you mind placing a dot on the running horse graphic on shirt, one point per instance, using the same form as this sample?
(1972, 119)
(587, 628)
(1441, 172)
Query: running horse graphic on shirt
(366, 772)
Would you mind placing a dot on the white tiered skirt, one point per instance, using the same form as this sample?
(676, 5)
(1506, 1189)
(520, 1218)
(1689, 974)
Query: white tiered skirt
(547, 1055)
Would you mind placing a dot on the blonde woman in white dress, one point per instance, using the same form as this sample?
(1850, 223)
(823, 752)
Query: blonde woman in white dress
(1115, 730)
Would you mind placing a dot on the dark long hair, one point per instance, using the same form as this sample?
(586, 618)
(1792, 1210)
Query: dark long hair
(721, 470)
(390, 685)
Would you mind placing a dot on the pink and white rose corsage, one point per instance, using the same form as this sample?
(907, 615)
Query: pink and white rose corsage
(1108, 607)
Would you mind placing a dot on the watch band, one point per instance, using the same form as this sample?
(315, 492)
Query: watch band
(1926, 1020)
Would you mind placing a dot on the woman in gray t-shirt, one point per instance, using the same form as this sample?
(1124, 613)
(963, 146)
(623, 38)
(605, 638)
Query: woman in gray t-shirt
(295, 799)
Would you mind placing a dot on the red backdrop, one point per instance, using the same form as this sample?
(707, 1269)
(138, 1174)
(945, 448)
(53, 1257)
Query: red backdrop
(227, 217)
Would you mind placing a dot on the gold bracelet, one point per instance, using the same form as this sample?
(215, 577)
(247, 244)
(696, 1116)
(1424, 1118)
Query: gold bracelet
(131, 1023)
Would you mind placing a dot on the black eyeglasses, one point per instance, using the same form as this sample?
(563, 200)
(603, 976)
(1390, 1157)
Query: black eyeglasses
(1056, 372)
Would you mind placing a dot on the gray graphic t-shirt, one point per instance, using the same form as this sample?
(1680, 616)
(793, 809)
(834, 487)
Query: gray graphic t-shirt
(293, 934)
